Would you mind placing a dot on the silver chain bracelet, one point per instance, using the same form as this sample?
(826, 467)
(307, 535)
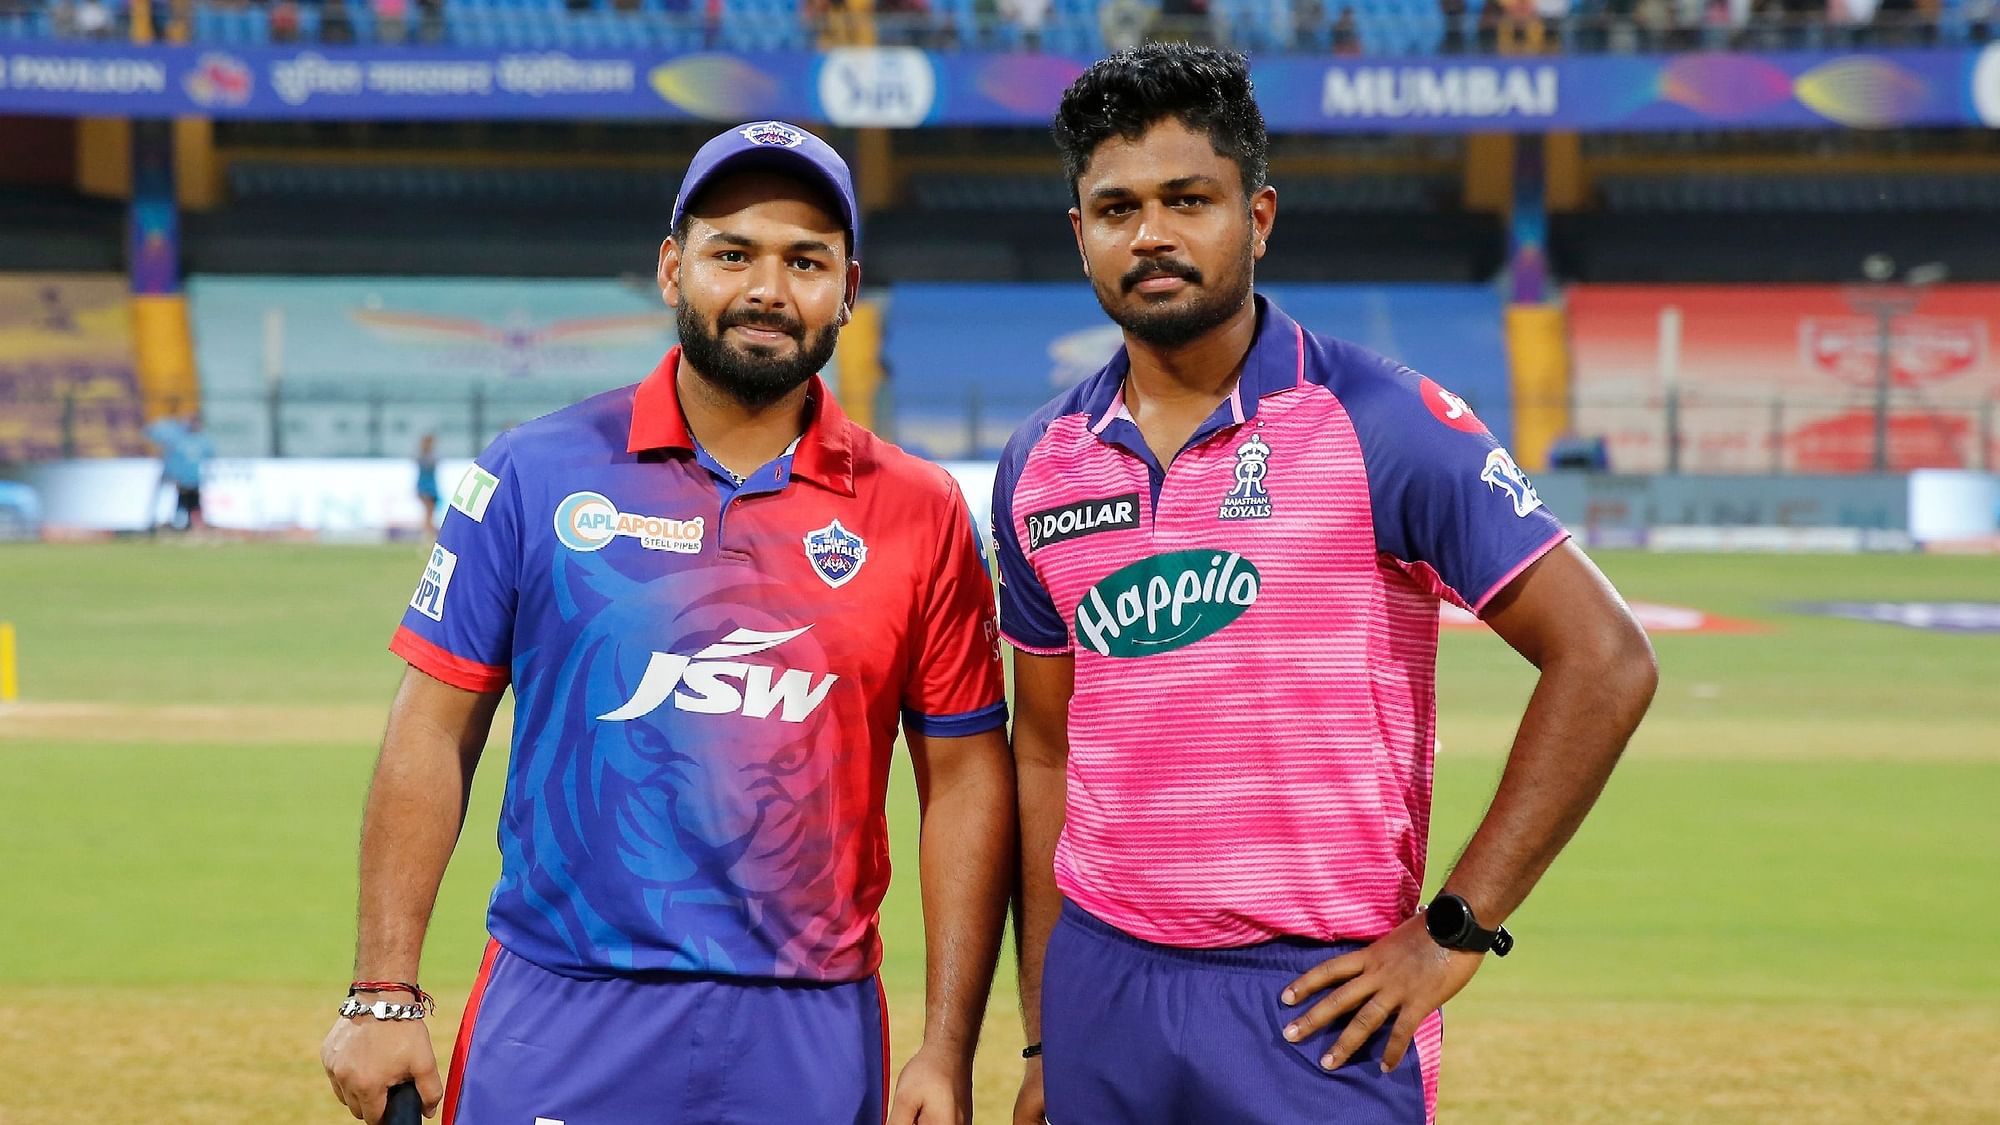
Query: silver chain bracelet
(381, 1009)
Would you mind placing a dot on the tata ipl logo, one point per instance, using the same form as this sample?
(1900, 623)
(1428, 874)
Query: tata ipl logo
(1502, 473)
(587, 521)
(1165, 602)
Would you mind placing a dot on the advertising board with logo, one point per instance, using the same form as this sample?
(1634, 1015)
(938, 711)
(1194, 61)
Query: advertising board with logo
(366, 366)
(1784, 378)
(904, 87)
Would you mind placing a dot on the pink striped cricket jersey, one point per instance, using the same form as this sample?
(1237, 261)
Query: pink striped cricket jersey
(1255, 634)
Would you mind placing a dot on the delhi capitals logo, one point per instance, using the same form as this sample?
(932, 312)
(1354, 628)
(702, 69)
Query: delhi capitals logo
(836, 554)
(1248, 500)
(774, 133)
(1502, 473)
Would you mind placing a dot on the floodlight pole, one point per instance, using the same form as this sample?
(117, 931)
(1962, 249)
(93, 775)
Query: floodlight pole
(1885, 332)
(1886, 298)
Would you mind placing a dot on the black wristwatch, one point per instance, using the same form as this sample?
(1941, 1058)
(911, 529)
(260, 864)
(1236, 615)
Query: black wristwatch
(1451, 924)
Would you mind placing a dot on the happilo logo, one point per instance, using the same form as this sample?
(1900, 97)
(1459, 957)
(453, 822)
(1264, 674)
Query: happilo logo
(1165, 602)
(717, 681)
(587, 521)
(1502, 473)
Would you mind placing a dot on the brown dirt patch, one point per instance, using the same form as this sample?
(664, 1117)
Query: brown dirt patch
(181, 724)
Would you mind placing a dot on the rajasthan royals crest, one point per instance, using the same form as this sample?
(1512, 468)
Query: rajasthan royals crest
(1248, 500)
(774, 133)
(836, 553)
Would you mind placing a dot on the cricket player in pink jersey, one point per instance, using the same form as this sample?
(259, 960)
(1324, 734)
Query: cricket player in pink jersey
(1222, 559)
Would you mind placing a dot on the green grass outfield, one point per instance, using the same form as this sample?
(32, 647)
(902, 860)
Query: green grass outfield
(1777, 913)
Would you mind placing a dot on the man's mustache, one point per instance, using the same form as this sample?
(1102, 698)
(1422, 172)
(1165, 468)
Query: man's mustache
(775, 322)
(1159, 267)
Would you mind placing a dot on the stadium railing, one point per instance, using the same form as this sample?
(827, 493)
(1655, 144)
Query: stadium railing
(1778, 435)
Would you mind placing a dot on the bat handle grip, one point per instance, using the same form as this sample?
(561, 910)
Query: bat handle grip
(406, 1106)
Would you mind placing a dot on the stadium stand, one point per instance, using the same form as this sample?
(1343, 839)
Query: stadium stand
(1382, 28)
(44, 229)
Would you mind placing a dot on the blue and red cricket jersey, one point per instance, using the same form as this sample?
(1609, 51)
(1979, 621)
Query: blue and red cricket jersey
(708, 679)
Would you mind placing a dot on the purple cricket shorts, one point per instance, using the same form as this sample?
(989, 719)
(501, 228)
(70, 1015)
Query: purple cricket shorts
(539, 1048)
(1135, 1033)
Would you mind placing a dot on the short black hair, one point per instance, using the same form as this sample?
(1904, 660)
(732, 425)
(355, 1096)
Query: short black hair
(1205, 89)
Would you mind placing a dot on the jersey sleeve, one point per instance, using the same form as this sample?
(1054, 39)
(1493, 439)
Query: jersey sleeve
(956, 688)
(1028, 617)
(1445, 493)
(459, 627)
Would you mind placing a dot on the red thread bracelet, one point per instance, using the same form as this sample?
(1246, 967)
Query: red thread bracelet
(425, 999)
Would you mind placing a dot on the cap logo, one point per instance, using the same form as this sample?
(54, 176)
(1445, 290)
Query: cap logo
(774, 133)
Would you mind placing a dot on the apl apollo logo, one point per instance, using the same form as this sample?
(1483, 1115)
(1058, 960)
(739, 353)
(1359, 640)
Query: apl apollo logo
(1165, 602)
(587, 521)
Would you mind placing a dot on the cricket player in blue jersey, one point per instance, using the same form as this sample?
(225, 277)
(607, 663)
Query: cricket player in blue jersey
(715, 599)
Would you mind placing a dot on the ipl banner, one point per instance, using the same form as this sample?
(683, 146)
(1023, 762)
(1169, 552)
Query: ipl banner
(1785, 379)
(68, 387)
(431, 354)
(904, 87)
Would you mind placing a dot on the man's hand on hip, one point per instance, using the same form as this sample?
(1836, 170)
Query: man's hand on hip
(365, 1056)
(1397, 981)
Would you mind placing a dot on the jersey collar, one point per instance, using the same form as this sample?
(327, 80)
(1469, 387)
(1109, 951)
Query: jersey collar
(825, 452)
(1276, 362)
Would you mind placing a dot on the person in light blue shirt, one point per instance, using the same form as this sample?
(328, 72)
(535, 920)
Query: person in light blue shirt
(427, 480)
(185, 449)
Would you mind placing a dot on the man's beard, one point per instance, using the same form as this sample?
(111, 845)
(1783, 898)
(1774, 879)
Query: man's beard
(750, 374)
(1176, 324)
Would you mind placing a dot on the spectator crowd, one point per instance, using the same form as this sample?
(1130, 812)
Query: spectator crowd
(1336, 27)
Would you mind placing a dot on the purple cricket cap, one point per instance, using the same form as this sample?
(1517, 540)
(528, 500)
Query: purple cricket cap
(774, 146)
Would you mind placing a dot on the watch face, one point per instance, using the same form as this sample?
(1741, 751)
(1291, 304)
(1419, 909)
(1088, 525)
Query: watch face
(1446, 919)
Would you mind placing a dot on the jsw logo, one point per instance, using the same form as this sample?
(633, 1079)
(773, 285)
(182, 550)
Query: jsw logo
(713, 682)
